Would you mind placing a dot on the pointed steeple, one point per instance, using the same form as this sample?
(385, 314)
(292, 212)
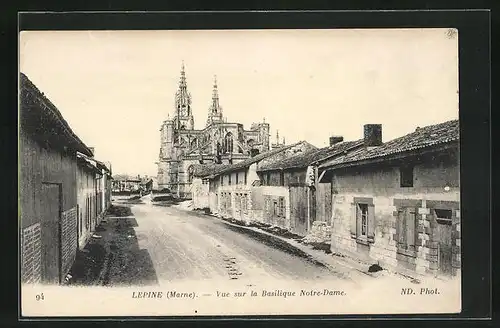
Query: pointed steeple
(182, 82)
(183, 115)
(215, 97)
(215, 110)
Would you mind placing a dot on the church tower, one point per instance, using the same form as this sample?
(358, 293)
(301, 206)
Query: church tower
(215, 110)
(183, 118)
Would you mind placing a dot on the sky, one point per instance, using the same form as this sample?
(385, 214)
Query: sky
(115, 88)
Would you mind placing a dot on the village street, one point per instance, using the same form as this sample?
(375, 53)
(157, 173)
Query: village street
(165, 244)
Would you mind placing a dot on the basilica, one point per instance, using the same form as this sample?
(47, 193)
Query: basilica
(219, 142)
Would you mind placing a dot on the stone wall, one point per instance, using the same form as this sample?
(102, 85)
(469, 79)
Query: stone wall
(320, 232)
(199, 191)
(382, 186)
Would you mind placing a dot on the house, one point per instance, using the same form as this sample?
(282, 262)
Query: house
(106, 183)
(398, 203)
(123, 184)
(198, 174)
(47, 188)
(94, 195)
(87, 182)
(288, 186)
(232, 190)
(146, 184)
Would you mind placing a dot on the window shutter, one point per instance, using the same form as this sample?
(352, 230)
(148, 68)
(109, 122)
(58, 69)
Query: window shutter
(354, 220)
(400, 228)
(371, 222)
(410, 227)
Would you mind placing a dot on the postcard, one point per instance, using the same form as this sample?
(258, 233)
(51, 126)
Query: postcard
(239, 172)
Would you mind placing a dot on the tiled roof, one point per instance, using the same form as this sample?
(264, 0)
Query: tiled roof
(257, 158)
(421, 138)
(203, 170)
(307, 158)
(87, 161)
(45, 111)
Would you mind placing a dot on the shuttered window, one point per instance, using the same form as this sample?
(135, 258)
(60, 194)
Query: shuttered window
(281, 206)
(407, 229)
(363, 220)
(363, 214)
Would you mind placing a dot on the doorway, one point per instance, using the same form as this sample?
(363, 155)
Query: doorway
(50, 210)
(444, 228)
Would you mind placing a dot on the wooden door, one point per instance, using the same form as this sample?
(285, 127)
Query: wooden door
(298, 209)
(312, 205)
(444, 246)
(50, 205)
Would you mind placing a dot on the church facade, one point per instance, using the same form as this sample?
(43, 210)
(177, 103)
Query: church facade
(219, 142)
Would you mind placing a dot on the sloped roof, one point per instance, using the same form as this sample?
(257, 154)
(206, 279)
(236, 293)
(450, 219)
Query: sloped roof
(42, 118)
(421, 138)
(87, 161)
(203, 170)
(257, 158)
(93, 162)
(313, 155)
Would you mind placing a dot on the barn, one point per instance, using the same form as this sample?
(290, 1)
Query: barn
(47, 188)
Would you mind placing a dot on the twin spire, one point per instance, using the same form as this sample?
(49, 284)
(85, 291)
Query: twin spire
(214, 111)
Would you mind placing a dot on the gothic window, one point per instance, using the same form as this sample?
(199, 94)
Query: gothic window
(194, 143)
(190, 174)
(228, 143)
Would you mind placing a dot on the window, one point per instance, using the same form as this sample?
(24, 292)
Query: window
(221, 180)
(443, 216)
(407, 230)
(363, 222)
(245, 177)
(282, 178)
(281, 206)
(237, 176)
(229, 177)
(228, 143)
(363, 209)
(406, 176)
(268, 179)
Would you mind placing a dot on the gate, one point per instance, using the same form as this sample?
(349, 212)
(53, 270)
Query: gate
(50, 206)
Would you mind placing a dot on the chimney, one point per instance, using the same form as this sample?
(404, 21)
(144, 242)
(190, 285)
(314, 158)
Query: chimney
(92, 150)
(335, 139)
(372, 135)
